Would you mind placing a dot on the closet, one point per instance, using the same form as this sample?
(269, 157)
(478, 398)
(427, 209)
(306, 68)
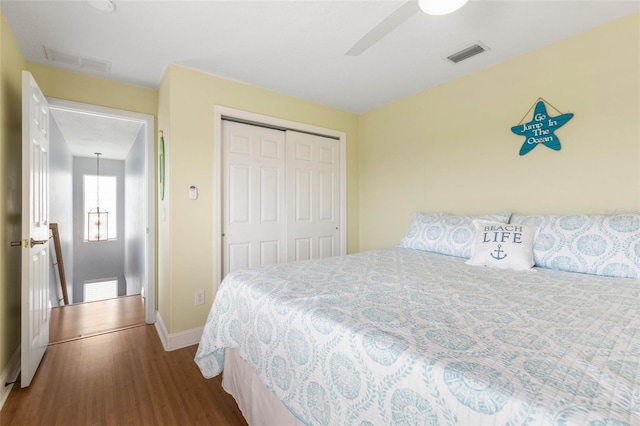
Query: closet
(280, 196)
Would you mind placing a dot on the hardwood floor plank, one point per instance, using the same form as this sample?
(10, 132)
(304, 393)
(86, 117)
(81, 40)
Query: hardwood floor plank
(120, 378)
(87, 319)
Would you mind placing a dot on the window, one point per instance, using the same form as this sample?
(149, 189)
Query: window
(107, 201)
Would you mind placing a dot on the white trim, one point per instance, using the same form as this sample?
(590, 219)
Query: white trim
(150, 206)
(10, 374)
(218, 112)
(162, 331)
(148, 123)
(171, 342)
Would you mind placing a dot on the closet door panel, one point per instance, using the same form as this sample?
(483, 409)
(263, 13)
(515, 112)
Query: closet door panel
(313, 178)
(253, 196)
(326, 197)
(326, 247)
(301, 196)
(270, 195)
(239, 190)
(239, 255)
(269, 252)
(302, 249)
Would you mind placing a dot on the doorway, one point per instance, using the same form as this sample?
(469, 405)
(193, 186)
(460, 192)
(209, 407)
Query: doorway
(125, 141)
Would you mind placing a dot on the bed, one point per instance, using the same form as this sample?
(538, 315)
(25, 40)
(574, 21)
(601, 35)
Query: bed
(405, 336)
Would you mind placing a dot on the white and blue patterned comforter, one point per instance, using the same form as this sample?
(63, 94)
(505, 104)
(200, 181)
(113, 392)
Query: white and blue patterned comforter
(400, 336)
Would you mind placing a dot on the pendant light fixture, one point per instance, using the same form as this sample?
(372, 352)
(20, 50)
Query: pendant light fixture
(440, 7)
(98, 218)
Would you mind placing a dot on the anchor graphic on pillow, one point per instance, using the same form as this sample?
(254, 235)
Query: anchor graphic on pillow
(499, 253)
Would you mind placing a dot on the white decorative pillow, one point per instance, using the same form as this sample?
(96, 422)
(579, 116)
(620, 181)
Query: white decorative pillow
(444, 233)
(503, 246)
(606, 245)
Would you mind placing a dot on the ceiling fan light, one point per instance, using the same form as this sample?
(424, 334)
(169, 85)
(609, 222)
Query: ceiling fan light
(440, 7)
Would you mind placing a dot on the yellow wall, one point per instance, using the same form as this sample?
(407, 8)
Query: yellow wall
(72, 86)
(11, 64)
(451, 149)
(190, 131)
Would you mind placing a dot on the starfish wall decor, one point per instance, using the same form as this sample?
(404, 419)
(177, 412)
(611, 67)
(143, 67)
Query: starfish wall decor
(541, 128)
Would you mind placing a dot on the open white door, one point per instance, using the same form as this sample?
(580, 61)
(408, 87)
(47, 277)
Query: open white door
(35, 227)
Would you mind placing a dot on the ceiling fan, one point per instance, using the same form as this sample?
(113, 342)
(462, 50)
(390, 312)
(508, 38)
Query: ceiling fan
(401, 14)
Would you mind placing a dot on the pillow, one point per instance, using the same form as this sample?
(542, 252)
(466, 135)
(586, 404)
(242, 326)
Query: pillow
(503, 246)
(606, 245)
(444, 233)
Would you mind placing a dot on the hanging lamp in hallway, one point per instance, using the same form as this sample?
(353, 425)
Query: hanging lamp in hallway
(98, 218)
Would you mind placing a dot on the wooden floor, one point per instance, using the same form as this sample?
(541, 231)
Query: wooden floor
(120, 378)
(88, 319)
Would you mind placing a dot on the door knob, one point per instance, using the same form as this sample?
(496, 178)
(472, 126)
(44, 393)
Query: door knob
(34, 242)
(27, 243)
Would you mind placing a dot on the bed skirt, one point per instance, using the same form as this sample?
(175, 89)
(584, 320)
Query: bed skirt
(258, 404)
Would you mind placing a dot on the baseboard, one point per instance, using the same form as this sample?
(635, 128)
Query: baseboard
(174, 341)
(10, 374)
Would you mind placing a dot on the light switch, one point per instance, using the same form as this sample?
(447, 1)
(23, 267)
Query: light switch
(193, 192)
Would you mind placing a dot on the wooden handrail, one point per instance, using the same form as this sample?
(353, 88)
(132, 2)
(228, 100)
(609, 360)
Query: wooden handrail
(56, 243)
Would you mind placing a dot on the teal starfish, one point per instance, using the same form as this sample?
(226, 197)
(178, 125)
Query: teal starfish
(540, 129)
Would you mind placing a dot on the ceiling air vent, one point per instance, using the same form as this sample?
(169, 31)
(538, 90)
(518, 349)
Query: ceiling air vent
(76, 61)
(470, 51)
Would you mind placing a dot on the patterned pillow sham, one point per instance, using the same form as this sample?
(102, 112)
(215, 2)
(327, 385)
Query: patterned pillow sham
(445, 233)
(606, 245)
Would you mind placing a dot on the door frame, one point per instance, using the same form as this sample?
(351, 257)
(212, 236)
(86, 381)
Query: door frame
(148, 123)
(221, 112)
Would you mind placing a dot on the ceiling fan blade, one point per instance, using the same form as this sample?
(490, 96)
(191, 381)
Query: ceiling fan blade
(388, 24)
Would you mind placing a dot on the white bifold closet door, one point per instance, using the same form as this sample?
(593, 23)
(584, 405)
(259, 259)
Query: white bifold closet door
(253, 196)
(313, 196)
(281, 198)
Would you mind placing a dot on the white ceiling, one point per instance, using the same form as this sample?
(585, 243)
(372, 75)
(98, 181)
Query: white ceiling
(293, 47)
(297, 47)
(88, 133)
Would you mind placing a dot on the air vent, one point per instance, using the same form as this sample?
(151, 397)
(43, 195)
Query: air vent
(77, 62)
(467, 53)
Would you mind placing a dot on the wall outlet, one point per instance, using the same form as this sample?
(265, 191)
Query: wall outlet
(199, 297)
